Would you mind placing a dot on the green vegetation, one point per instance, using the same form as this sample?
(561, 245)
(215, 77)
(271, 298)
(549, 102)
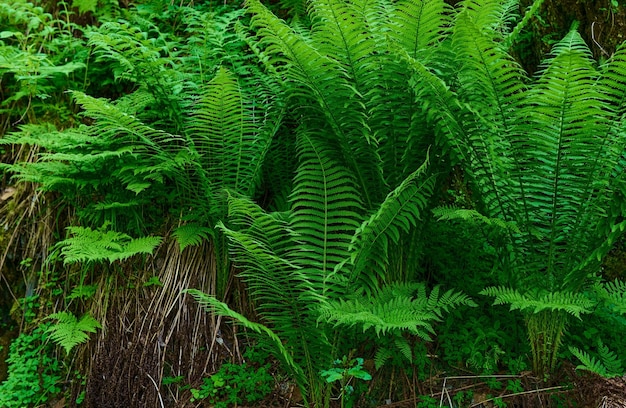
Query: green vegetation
(228, 203)
(34, 373)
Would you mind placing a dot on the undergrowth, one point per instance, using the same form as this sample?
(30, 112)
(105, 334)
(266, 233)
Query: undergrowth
(366, 184)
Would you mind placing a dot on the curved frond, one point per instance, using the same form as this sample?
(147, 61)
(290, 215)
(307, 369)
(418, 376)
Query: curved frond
(613, 294)
(447, 213)
(326, 208)
(400, 211)
(494, 17)
(191, 234)
(213, 305)
(263, 246)
(328, 90)
(564, 170)
(608, 365)
(535, 302)
(419, 25)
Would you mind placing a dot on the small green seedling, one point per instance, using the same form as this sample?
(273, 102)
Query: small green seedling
(344, 371)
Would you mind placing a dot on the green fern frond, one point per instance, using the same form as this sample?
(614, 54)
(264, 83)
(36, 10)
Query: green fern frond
(388, 312)
(441, 107)
(87, 245)
(613, 294)
(231, 134)
(323, 84)
(82, 292)
(610, 359)
(446, 213)
(528, 15)
(400, 211)
(535, 302)
(383, 354)
(494, 17)
(213, 305)
(265, 249)
(118, 124)
(405, 348)
(419, 25)
(69, 332)
(326, 207)
(191, 234)
(561, 195)
(608, 365)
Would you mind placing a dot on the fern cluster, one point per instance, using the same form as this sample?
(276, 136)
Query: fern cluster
(543, 154)
(313, 153)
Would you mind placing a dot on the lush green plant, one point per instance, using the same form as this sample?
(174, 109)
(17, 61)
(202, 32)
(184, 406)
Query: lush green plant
(40, 58)
(359, 187)
(217, 114)
(34, 374)
(343, 372)
(198, 117)
(235, 384)
(544, 155)
(295, 298)
(69, 331)
(355, 162)
(607, 364)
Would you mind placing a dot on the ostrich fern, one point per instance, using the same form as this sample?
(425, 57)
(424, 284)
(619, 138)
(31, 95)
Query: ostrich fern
(543, 154)
(350, 93)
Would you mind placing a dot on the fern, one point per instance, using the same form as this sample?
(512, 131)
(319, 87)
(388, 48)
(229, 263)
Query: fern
(82, 292)
(265, 248)
(87, 245)
(399, 212)
(69, 332)
(608, 365)
(383, 354)
(325, 208)
(574, 304)
(613, 295)
(539, 154)
(420, 25)
(191, 234)
(396, 308)
(451, 213)
(230, 134)
(215, 306)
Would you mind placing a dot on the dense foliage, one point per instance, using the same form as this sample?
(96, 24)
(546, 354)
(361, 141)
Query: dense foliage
(350, 182)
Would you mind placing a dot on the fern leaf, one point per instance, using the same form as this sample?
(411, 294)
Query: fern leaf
(405, 349)
(87, 245)
(391, 310)
(68, 332)
(382, 355)
(574, 304)
(265, 249)
(400, 211)
(326, 208)
(227, 132)
(419, 25)
(82, 292)
(213, 305)
(446, 213)
(321, 82)
(608, 365)
(614, 295)
(191, 234)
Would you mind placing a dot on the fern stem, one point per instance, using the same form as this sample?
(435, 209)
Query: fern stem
(545, 332)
